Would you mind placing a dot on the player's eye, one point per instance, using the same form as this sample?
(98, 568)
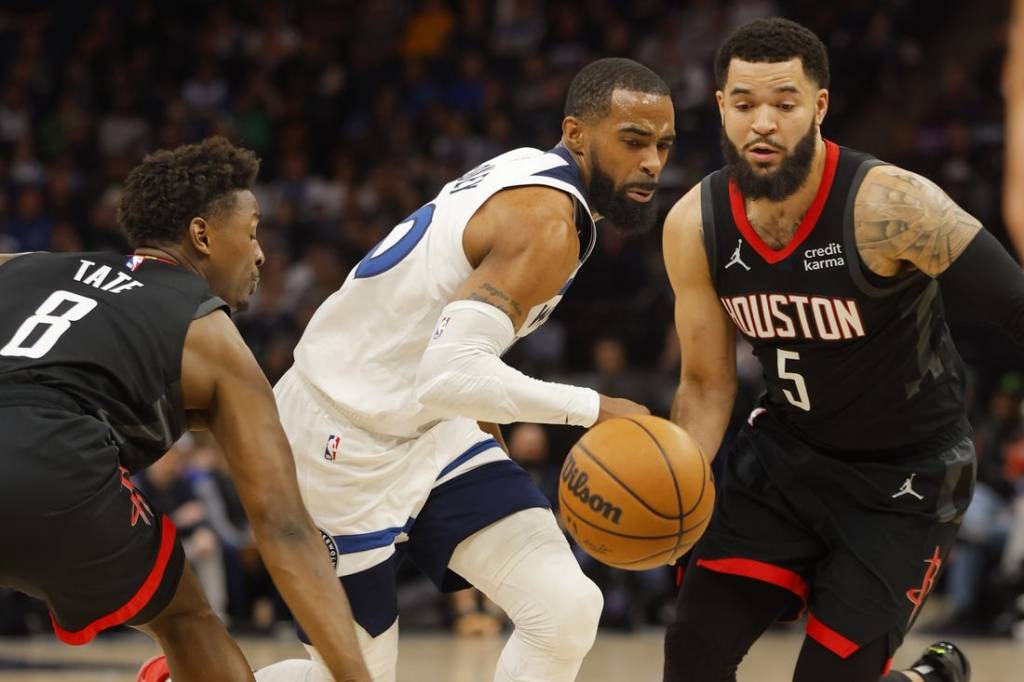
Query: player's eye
(634, 143)
(787, 106)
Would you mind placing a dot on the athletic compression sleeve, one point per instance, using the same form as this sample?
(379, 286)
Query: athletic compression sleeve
(462, 373)
(987, 276)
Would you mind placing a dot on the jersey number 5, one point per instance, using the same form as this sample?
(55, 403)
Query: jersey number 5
(801, 399)
(54, 325)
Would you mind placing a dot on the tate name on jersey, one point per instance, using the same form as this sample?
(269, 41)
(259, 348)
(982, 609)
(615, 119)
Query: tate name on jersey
(105, 278)
(791, 316)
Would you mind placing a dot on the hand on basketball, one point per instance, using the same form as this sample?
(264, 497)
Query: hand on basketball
(618, 407)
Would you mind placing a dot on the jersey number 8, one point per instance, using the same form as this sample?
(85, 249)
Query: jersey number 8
(55, 325)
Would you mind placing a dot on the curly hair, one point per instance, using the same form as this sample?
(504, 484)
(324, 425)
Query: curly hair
(774, 40)
(171, 187)
(590, 93)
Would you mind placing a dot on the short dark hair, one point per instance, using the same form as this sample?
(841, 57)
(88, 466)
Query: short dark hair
(171, 187)
(590, 93)
(774, 40)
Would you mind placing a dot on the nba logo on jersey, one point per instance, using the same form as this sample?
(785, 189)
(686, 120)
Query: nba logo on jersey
(441, 325)
(134, 262)
(331, 451)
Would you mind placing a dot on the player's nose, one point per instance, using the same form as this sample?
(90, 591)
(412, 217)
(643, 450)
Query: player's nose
(764, 122)
(260, 257)
(651, 163)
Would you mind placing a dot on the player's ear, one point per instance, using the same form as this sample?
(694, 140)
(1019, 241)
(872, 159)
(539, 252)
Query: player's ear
(573, 133)
(199, 235)
(720, 98)
(821, 105)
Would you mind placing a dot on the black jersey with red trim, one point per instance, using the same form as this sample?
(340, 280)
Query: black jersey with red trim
(852, 361)
(107, 330)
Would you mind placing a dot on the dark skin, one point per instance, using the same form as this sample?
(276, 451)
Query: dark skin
(522, 243)
(225, 390)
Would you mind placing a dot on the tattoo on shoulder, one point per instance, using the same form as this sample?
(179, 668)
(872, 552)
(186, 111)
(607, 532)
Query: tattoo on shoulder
(488, 293)
(902, 216)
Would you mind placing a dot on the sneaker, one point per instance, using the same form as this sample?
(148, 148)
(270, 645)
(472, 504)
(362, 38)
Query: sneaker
(154, 670)
(946, 659)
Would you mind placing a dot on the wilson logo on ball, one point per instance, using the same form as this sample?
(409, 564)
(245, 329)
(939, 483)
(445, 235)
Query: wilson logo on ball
(576, 483)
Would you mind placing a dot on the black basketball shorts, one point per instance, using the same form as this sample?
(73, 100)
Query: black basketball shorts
(74, 531)
(859, 543)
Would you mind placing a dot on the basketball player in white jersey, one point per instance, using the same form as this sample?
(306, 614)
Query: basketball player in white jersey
(398, 383)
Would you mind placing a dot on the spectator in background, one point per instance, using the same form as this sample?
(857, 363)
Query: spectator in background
(362, 114)
(168, 489)
(987, 524)
(528, 447)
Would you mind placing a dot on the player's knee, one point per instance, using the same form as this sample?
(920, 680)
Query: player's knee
(575, 613)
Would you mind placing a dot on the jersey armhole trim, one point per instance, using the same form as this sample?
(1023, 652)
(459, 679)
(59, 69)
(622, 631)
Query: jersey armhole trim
(854, 263)
(579, 204)
(707, 218)
(209, 305)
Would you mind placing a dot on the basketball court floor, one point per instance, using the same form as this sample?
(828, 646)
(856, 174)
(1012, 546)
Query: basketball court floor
(443, 658)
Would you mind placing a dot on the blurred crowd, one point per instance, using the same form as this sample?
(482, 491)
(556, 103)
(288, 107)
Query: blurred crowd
(362, 111)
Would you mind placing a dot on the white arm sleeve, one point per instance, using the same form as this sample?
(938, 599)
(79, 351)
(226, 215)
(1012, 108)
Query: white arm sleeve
(462, 373)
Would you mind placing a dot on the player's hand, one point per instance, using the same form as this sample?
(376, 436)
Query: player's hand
(618, 407)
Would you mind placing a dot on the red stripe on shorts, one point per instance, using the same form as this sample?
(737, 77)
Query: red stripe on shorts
(133, 605)
(759, 570)
(829, 638)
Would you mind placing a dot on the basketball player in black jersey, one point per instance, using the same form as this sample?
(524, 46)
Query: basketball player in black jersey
(842, 495)
(105, 360)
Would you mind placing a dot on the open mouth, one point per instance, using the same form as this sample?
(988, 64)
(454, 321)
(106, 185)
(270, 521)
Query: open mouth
(763, 152)
(640, 195)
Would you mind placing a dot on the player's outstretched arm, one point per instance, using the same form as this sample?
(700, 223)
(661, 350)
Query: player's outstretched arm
(707, 337)
(904, 221)
(1013, 92)
(523, 246)
(221, 378)
(4, 257)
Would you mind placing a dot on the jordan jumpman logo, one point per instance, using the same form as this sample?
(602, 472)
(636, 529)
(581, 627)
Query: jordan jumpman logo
(737, 259)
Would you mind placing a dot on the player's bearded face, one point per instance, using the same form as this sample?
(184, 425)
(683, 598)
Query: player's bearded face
(627, 215)
(759, 182)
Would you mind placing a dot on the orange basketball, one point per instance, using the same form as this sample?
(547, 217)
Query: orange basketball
(636, 492)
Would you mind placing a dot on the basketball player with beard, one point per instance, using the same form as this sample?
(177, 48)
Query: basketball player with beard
(842, 494)
(398, 383)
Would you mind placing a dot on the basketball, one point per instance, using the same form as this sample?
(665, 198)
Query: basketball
(636, 492)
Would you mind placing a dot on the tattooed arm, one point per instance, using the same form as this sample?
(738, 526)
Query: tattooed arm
(903, 221)
(523, 246)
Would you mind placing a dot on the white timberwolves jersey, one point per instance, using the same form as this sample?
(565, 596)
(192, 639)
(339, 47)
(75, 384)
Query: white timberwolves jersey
(362, 347)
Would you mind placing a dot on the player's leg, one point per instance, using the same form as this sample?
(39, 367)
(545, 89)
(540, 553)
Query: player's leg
(380, 654)
(746, 571)
(195, 641)
(92, 547)
(524, 564)
(941, 662)
(718, 617)
(362, 489)
(485, 523)
(887, 553)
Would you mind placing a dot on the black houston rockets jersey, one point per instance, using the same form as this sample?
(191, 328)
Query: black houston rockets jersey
(107, 330)
(852, 361)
